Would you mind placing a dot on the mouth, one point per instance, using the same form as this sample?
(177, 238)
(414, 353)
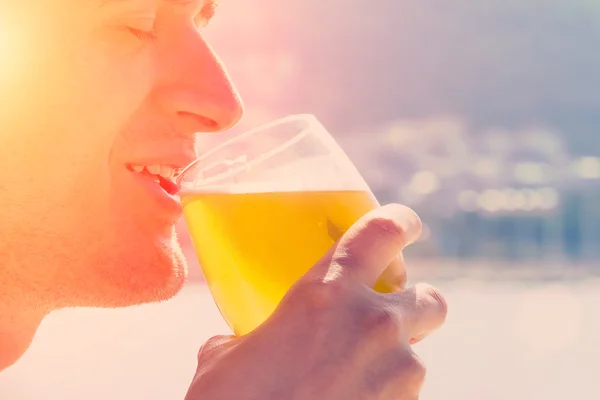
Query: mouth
(164, 175)
(159, 183)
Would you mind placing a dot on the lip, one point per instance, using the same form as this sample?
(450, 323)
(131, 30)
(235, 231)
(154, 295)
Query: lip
(170, 204)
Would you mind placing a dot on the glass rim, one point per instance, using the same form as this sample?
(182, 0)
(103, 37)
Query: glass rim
(311, 118)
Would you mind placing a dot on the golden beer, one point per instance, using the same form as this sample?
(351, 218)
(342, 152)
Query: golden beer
(253, 246)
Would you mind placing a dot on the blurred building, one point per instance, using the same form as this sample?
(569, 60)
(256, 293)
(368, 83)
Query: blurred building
(490, 194)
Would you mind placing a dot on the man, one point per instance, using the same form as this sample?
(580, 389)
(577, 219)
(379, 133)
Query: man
(100, 103)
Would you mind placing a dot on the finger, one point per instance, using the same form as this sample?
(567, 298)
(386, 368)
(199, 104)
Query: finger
(214, 345)
(393, 279)
(375, 240)
(422, 309)
(209, 355)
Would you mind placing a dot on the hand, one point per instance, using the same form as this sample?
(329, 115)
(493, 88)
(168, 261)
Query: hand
(333, 337)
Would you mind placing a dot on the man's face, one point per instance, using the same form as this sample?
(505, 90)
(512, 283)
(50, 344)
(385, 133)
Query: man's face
(98, 98)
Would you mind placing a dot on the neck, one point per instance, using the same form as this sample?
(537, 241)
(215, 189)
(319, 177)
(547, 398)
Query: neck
(21, 312)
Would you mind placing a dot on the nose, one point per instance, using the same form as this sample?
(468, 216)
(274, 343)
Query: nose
(195, 89)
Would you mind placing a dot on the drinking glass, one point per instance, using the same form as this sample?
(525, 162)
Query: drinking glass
(264, 207)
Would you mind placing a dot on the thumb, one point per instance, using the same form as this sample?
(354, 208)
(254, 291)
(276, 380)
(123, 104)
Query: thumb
(373, 242)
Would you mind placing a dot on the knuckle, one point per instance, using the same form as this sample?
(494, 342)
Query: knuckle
(213, 345)
(384, 226)
(382, 323)
(318, 294)
(439, 302)
(412, 368)
(205, 349)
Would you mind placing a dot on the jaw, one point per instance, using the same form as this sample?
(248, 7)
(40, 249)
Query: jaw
(124, 267)
(141, 274)
(17, 329)
(21, 308)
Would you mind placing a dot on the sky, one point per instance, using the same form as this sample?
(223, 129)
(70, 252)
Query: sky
(359, 64)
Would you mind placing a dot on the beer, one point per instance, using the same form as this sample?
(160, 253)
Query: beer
(253, 246)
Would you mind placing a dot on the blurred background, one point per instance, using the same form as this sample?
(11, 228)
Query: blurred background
(482, 116)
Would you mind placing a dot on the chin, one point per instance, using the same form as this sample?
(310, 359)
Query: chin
(136, 273)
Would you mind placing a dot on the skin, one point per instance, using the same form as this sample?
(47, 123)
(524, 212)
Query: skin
(92, 88)
(88, 88)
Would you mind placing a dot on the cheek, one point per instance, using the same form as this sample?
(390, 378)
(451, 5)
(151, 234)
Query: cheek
(113, 82)
(62, 120)
(65, 163)
(102, 93)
